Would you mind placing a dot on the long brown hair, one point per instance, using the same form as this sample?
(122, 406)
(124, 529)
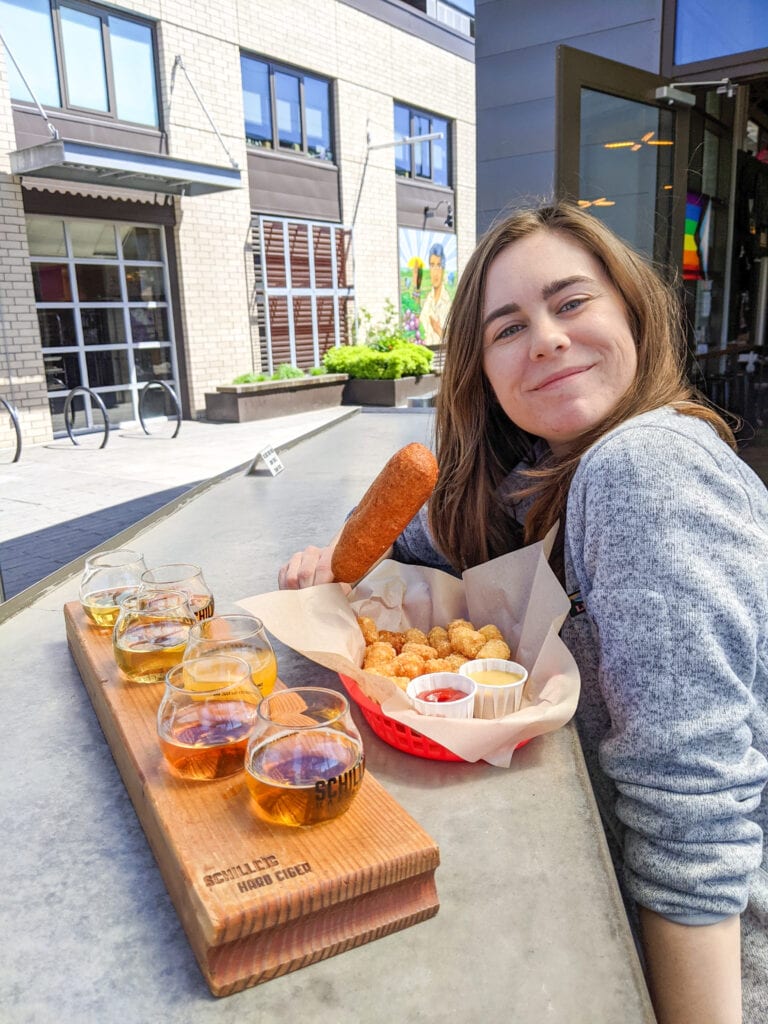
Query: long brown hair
(478, 445)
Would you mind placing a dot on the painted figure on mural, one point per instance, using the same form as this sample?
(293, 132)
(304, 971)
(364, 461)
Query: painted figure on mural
(435, 306)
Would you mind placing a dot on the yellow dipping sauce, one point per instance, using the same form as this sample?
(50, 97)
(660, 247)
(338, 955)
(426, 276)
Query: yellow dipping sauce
(495, 677)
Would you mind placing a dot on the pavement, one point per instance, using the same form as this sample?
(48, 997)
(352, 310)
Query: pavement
(60, 501)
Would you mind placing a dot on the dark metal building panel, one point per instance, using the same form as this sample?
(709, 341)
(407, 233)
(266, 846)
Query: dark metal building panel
(413, 199)
(516, 47)
(516, 181)
(293, 187)
(31, 130)
(508, 27)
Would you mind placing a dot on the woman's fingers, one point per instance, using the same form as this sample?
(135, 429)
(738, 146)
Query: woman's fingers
(306, 568)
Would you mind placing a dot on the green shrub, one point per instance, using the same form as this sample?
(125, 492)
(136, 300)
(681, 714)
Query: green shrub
(287, 372)
(316, 371)
(359, 361)
(249, 378)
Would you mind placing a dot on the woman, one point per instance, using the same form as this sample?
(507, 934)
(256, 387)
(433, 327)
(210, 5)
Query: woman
(563, 399)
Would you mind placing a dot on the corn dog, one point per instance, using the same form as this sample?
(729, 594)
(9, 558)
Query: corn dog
(386, 508)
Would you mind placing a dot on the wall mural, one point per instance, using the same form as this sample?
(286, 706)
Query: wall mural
(428, 273)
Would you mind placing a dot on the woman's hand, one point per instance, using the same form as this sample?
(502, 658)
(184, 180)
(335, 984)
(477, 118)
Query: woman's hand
(306, 568)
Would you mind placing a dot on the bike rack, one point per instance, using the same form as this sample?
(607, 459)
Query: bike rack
(11, 410)
(164, 386)
(82, 389)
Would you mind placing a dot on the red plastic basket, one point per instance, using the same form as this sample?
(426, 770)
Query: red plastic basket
(395, 733)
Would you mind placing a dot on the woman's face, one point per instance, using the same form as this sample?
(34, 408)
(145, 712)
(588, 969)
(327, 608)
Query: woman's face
(557, 347)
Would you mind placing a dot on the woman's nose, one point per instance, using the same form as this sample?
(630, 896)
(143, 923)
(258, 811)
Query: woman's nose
(547, 337)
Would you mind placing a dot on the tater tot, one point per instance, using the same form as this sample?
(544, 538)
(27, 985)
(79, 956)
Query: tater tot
(437, 634)
(494, 649)
(410, 665)
(423, 650)
(380, 668)
(467, 642)
(491, 632)
(437, 665)
(402, 681)
(368, 629)
(459, 624)
(396, 639)
(415, 636)
(456, 661)
(380, 651)
(443, 648)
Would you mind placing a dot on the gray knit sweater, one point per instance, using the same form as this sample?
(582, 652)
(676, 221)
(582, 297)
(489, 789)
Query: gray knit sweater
(666, 540)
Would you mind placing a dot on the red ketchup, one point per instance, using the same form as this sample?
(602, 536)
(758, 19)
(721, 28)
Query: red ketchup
(441, 696)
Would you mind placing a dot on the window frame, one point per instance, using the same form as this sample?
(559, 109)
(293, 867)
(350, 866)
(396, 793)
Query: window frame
(411, 175)
(130, 346)
(277, 67)
(109, 116)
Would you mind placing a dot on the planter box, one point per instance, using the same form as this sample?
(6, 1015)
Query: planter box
(239, 403)
(388, 392)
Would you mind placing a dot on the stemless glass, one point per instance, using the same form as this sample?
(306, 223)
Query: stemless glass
(304, 763)
(188, 579)
(206, 714)
(151, 633)
(108, 576)
(241, 636)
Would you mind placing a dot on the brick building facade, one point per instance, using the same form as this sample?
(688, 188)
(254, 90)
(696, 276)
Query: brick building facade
(137, 257)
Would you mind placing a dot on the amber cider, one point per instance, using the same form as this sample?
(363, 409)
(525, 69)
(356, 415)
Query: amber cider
(207, 741)
(263, 666)
(304, 779)
(103, 606)
(148, 649)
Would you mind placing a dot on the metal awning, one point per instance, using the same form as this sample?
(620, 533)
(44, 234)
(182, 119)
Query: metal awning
(103, 165)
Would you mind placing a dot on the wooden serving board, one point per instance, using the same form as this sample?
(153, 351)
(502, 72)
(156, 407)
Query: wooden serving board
(256, 900)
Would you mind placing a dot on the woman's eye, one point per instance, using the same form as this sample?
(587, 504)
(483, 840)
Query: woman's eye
(571, 304)
(509, 332)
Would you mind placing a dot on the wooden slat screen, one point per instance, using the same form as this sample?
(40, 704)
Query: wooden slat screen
(275, 259)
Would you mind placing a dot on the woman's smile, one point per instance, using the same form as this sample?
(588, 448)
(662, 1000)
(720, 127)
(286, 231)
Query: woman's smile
(559, 377)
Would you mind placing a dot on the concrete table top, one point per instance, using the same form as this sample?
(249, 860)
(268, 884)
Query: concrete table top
(531, 927)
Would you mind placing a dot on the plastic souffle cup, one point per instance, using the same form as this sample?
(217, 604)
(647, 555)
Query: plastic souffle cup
(444, 702)
(494, 697)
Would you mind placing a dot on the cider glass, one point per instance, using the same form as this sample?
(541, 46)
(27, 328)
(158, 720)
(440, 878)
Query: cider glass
(188, 579)
(241, 636)
(109, 576)
(304, 763)
(206, 715)
(151, 633)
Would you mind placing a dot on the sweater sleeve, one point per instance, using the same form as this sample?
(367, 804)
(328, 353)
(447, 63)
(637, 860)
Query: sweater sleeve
(670, 549)
(415, 545)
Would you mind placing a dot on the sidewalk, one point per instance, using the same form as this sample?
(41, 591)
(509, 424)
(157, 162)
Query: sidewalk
(61, 501)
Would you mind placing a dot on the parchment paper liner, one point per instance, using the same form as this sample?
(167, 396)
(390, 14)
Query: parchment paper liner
(517, 592)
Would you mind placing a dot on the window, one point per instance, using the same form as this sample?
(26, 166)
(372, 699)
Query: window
(706, 29)
(285, 109)
(426, 160)
(103, 307)
(81, 58)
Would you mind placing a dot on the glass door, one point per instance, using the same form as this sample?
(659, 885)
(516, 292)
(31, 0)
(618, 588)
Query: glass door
(621, 151)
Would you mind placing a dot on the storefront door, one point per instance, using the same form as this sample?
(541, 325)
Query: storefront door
(621, 151)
